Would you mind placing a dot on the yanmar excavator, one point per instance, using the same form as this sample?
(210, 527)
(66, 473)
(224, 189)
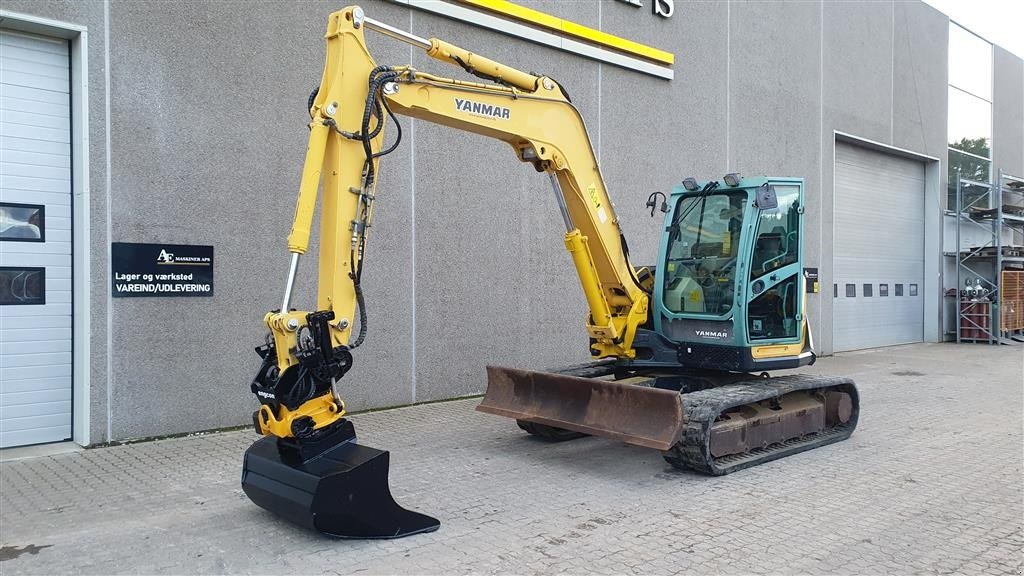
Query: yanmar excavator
(681, 351)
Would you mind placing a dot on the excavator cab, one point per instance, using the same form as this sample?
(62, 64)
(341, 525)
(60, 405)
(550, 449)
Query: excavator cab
(731, 277)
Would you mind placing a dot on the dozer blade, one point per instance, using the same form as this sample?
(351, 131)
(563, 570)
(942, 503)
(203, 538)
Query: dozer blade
(649, 417)
(342, 491)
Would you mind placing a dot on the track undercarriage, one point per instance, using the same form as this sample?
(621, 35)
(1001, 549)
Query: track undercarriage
(712, 423)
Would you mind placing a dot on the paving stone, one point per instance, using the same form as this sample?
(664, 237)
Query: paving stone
(929, 483)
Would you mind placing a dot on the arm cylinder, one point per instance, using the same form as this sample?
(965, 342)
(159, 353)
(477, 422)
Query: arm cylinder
(452, 54)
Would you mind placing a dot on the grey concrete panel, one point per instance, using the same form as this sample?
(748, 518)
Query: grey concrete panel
(920, 65)
(857, 68)
(823, 337)
(493, 281)
(209, 132)
(920, 69)
(90, 15)
(655, 132)
(775, 106)
(856, 88)
(1008, 113)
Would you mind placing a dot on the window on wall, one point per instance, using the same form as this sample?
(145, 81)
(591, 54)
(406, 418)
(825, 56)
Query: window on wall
(21, 286)
(970, 115)
(22, 222)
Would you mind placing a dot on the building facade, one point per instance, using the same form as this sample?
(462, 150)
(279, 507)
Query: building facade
(184, 123)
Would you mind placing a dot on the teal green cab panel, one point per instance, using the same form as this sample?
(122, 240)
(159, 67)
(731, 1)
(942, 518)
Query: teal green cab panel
(730, 272)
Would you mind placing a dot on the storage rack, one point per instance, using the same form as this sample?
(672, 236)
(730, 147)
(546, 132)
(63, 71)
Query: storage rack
(997, 318)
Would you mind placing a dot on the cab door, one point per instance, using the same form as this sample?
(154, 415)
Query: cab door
(775, 297)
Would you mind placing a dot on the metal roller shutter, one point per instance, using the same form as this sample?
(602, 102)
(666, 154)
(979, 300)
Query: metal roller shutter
(35, 240)
(878, 249)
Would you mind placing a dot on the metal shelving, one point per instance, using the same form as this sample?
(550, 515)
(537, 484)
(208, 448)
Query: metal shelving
(987, 309)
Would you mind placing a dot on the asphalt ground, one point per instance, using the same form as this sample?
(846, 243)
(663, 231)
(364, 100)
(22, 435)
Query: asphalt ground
(931, 482)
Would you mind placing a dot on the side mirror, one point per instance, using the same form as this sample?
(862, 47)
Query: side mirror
(765, 198)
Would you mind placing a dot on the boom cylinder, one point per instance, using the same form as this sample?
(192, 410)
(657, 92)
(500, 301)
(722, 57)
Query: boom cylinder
(576, 244)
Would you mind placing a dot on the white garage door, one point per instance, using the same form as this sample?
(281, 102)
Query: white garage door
(878, 250)
(35, 240)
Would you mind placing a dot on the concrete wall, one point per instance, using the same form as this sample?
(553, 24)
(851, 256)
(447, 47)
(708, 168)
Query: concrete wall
(879, 61)
(1008, 112)
(207, 133)
(208, 125)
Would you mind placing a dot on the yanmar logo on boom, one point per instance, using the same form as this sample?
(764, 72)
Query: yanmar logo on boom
(480, 109)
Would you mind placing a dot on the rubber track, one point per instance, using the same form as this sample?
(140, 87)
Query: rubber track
(703, 407)
(549, 433)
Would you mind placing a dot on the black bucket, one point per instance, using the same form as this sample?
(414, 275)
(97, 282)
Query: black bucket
(342, 491)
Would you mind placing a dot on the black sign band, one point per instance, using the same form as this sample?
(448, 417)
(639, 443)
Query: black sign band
(175, 270)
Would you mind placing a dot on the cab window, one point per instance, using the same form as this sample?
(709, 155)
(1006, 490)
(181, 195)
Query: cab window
(703, 244)
(778, 233)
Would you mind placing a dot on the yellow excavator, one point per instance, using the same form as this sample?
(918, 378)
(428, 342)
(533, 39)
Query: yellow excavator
(681, 351)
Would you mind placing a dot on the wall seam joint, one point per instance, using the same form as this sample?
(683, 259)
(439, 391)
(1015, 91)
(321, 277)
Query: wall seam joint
(728, 82)
(892, 73)
(412, 220)
(107, 183)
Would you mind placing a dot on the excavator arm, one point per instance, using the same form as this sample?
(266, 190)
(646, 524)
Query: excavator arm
(349, 111)
(308, 467)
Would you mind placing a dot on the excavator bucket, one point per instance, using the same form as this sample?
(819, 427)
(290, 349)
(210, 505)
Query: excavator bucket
(634, 414)
(341, 491)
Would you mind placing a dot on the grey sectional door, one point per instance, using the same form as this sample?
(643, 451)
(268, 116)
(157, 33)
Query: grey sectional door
(878, 249)
(35, 240)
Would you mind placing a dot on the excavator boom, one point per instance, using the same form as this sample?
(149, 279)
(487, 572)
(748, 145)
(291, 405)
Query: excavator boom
(307, 352)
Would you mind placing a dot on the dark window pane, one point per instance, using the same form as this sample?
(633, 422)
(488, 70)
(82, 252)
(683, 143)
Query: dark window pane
(913, 289)
(883, 290)
(851, 290)
(773, 313)
(22, 222)
(703, 243)
(969, 168)
(899, 289)
(777, 242)
(835, 290)
(22, 286)
(867, 290)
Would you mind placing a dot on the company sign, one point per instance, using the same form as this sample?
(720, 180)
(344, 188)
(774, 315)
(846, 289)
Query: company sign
(178, 270)
(663, 8)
